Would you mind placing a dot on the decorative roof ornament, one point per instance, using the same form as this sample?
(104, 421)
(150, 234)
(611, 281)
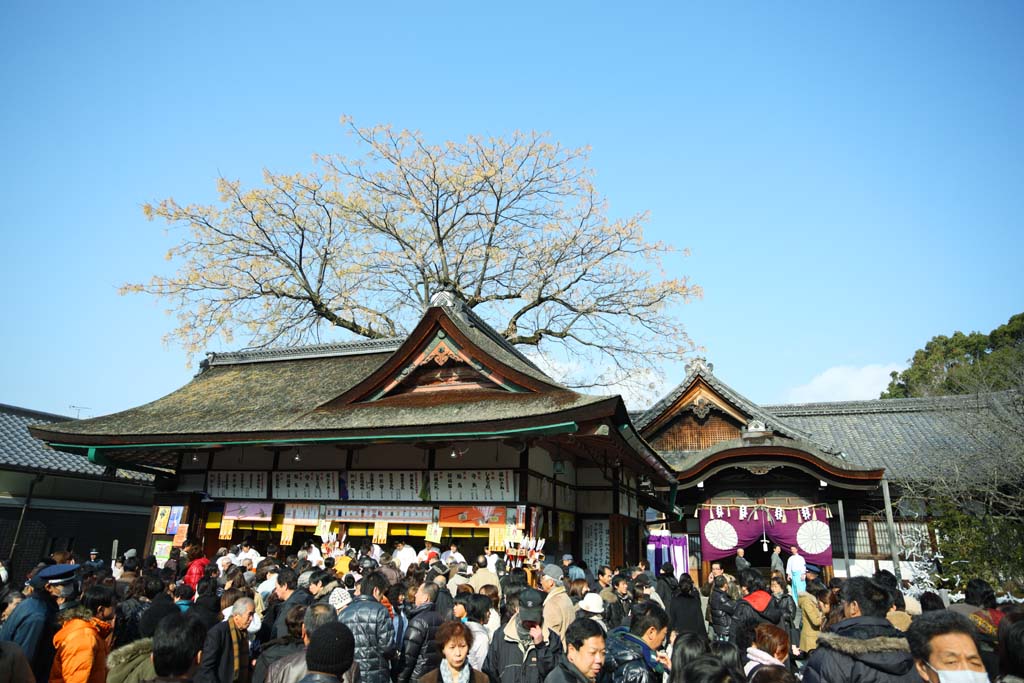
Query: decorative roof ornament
(699, 364)
(448, 299)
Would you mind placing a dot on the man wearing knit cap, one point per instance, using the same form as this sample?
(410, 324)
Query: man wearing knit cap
(329, 654)
(558, 609)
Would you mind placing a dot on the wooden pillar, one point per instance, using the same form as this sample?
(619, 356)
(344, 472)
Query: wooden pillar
(842, 535)
(893, 548)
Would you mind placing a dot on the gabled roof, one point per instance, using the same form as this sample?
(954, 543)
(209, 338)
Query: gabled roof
(333, 393)
(902, 434)
(19, 450)
(699, 369)
(778, 440)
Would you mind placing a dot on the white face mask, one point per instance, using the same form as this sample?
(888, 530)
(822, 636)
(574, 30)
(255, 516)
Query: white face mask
(960, 675)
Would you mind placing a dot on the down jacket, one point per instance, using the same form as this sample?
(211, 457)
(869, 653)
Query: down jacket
(510, 661)
(630, 660)
(760, 607)
(374, 636)
(81, 645)
(419, 651)
(131, 663)
(861, 650)
(721, 608)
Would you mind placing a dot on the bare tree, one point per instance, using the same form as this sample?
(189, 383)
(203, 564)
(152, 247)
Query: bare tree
(513, 226)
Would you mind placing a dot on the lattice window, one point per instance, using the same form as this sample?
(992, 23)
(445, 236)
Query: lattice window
(690, 433)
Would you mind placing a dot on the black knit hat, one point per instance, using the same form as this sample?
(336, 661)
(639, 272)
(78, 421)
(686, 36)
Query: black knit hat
(331, 649)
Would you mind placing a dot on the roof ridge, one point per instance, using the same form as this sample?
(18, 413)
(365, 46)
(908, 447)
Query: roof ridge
(351, 348)
(29, 412)
(879, 405)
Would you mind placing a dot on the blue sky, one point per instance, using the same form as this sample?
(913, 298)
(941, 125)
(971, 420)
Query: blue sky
(847, 175)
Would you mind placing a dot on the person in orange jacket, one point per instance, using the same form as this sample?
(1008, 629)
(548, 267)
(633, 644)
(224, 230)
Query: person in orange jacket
(82, 643)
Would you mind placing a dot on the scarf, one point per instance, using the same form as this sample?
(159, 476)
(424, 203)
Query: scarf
(239, 653)
(449, 676)
(387, 603)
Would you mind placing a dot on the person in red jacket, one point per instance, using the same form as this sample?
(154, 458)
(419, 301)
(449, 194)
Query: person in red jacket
(196, 566)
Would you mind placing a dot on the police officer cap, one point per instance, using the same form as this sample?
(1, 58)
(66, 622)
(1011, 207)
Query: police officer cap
(57, 573)
(93, 551)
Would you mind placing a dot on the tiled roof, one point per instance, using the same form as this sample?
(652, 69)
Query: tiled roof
(901, 435)
(279, 390)
(20, 450)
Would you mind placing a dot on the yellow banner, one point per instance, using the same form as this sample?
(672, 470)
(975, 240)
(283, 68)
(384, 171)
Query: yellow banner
(287, 533)
(323, 527)
(163, 513)
(227, 527)
(433, 533)
(380, 532)
(496, 540)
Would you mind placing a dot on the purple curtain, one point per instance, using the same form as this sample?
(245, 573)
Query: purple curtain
(664, 547)
(721, 535)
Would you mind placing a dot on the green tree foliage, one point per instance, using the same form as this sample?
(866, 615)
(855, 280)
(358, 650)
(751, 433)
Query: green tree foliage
(974, 543)
(963, 363)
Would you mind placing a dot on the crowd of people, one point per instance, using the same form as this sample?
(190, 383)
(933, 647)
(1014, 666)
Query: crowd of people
(363, 615)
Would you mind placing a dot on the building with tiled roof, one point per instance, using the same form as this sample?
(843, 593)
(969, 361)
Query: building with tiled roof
(52, 500)
(451, 424)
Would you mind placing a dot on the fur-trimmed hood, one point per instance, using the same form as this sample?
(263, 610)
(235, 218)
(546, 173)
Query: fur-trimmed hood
(872, 641)
(130, 652)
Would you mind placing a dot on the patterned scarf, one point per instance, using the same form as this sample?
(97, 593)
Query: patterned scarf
(449, 676)
(239, 652)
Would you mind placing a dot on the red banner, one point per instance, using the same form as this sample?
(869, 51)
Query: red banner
(473, 516)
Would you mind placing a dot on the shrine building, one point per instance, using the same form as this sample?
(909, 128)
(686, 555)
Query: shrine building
(449, 427)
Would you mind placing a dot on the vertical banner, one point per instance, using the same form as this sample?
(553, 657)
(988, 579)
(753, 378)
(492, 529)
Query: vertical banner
(433, 533)
(175, 519)
(180, 535)
(287, 534)
(323, 528)
(380, 532)
(162, 552)
(227, 527)
(163, 514)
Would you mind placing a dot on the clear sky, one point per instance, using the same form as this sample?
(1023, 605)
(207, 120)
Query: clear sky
(848, 176)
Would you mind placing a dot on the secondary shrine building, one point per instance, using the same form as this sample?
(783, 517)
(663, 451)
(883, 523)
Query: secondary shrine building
(452, 434)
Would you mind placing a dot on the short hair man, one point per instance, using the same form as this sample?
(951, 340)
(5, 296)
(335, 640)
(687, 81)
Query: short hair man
(584, 653)
(864, 645)
(372, 628)
(617, 613)
(944, 641)
(633, 655)
(177, 642)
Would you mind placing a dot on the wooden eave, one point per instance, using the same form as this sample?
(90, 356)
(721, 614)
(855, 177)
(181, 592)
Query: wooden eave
(779, 455)
(699, 389)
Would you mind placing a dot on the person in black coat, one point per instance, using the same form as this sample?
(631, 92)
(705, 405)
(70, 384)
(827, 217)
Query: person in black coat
(863, 647)
(372, 628)
(584, 653)
(282, 647)
(721, 608)
(684, 610)
(419, 652)
(758, 606)
(523, 651)
(632, 655)
(290, 595)
(667, 584)
(227, 643)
